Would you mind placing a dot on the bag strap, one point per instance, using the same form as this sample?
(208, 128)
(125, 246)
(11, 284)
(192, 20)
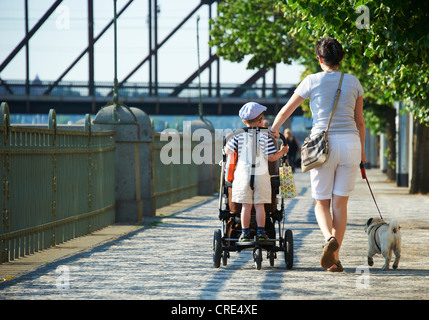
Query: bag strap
(335, 102)
(255, 142)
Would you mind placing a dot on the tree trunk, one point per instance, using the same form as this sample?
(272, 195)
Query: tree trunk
(391, 143)
(420, 174)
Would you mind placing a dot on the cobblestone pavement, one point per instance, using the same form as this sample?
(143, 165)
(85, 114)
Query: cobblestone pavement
(172, 258)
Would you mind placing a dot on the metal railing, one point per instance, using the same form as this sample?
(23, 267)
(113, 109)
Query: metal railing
(172, 182)
(58, 184)
(130, 89)
(55, 184)
(185, 176)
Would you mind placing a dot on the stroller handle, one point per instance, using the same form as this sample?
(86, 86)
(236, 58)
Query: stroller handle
(283, 138)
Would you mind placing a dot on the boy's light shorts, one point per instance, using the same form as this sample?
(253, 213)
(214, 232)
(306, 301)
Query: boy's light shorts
(338, 174)
(241, 191)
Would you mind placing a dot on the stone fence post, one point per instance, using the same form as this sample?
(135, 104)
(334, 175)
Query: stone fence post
(206, 171)
(133, 173)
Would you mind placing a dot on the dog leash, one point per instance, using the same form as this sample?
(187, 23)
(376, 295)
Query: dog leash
(363, 173)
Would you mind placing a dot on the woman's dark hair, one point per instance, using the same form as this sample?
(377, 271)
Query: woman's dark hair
(330, 50)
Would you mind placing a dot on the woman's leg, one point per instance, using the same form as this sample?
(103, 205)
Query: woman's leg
(335, 225)
(323, 217)
(339, 221)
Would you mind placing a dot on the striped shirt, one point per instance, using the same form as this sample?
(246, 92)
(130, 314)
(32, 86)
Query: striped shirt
(245, 139)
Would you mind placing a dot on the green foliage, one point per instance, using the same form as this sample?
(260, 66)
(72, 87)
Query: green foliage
(375, 116)
(254, 28)
(390, 57)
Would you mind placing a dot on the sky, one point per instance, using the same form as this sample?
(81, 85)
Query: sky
(65, 35)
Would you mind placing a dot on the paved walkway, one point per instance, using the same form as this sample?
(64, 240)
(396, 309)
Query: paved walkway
(171, 258)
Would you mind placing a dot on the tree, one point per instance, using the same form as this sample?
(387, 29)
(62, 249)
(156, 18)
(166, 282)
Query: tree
(386, 47)
(254, 28)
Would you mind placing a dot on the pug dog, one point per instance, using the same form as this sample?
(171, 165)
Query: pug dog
(384, 238)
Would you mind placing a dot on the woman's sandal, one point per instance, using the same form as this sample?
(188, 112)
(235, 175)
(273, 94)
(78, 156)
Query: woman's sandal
(338, 268)
(328, 259)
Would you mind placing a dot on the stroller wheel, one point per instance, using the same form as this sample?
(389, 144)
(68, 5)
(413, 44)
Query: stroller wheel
(217, 248)
(288, 248)
(257, 256)
(272, 257)
(225, 257)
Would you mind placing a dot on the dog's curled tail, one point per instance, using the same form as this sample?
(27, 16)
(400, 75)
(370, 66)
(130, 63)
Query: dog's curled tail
(394, 226)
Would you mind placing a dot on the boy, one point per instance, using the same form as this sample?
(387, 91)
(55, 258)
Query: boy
(245, 191)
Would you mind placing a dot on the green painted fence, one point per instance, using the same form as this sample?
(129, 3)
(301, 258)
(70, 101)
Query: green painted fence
(172, 182)
(60, 184)
(55, 184)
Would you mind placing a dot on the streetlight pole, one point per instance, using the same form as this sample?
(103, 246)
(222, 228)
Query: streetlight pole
(115, 80)
(200, 104)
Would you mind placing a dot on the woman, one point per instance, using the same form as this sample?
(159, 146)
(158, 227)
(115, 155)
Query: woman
(333, 182)
(294, 148)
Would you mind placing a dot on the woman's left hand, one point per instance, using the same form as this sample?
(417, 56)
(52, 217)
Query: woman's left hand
(274, 133)
(363, 157)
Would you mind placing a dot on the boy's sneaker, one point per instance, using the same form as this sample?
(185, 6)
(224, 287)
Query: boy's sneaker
(244, 237)
(262, 236)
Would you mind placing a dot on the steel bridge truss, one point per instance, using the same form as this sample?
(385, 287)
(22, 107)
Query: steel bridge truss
(153, 97)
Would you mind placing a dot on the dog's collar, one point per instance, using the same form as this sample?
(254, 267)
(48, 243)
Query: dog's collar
(375, 238)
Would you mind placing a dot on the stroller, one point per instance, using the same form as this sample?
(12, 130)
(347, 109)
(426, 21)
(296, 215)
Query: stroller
(225, 240)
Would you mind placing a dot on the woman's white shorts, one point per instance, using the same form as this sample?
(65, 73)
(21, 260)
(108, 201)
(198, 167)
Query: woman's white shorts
(338, 174)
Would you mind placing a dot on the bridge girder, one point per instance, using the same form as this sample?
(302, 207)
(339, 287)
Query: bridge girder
(216, 104)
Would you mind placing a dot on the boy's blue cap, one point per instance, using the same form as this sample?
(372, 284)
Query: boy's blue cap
(251, 110)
